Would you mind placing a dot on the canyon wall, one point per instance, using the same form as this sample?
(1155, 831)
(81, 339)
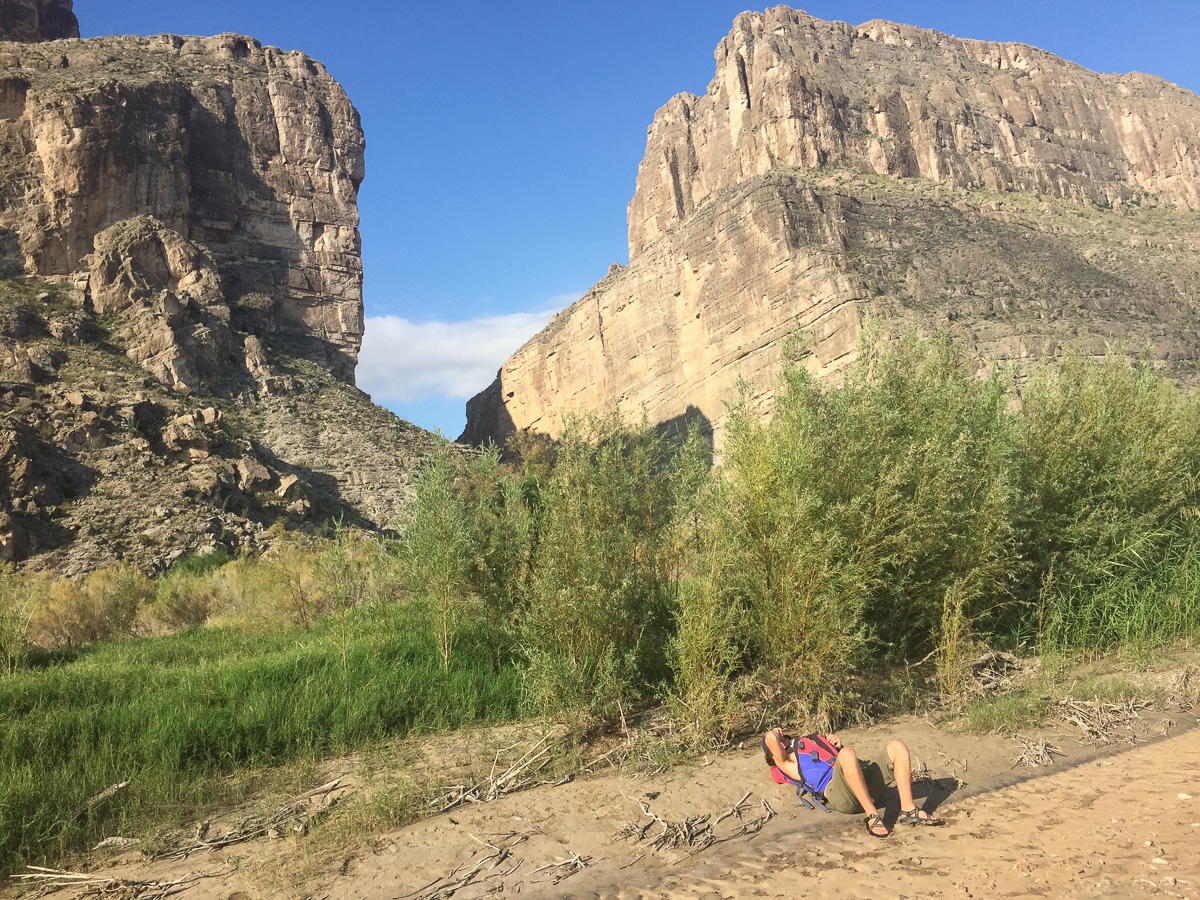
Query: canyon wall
(833, 171)
(251, 152)
(30, 21)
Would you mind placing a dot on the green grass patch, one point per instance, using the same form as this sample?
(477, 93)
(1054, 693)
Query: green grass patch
(173, 716)
(1007, 712)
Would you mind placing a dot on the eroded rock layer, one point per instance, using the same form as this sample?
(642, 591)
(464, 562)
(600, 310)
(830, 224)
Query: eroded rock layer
(254, 153)
(833, 171)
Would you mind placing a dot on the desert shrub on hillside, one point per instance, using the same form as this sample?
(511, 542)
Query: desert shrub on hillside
(101, 607)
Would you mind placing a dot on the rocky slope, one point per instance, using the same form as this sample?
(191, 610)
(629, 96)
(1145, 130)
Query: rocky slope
(833, 170)
(178, 334)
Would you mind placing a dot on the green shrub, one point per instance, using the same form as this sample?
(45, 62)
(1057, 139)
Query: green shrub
(860, 508)
(1113, 451)
(436, 550)
(596, 619)
(502, 510)
(707, 649)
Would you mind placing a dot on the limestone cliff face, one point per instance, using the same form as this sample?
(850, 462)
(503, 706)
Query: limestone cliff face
(254, 153)
(831, 171)
(30, 21)
(893, 99)
(672, 332)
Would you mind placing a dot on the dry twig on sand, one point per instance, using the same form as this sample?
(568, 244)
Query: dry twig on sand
(1099, 721)
(519, 776)
(1035, 753)
(565, 867)
(50, 880)
(295, 816)
(696, 833)
(1183, 690)
(461, 876)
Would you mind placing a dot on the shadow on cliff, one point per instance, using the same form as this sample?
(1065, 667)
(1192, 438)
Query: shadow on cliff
(676, 428)
(256, 274)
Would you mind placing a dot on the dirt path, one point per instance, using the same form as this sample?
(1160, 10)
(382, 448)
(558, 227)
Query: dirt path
(1079, 830)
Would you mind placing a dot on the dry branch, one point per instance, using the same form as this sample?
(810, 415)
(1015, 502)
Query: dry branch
(461, 876)
(696, 832)
(49, 880)
(1036, 753)
(1183, 691)
(295, 816)
(519, 776)
(1099, 722)
(99, 798)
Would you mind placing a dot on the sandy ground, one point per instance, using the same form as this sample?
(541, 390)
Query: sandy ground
(1097, 824)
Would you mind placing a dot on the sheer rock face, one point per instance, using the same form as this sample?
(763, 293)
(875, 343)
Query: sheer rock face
(254, 153)
(672, 332)
(31, 21)
(893, 99)
(831, 171)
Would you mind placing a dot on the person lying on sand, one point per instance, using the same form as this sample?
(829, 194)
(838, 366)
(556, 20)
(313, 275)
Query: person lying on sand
(835, 775)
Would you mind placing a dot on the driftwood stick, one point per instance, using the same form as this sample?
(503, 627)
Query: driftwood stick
(323, 789)
(99, 798)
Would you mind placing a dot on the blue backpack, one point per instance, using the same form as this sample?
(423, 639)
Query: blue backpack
(815, 758)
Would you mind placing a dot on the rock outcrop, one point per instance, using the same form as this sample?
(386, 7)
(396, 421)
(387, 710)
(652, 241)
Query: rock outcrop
(180, 301)
(100, 463)
(31, 21)
(903, 101)
(831, 171)
(251, 152)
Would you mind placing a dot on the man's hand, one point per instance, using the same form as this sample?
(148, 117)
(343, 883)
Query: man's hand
(834, 741)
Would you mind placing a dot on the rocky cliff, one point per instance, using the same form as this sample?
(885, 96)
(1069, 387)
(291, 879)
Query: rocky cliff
(254, 153)
(183, 305)
(897, 100)
(831, 171)
(30, 21)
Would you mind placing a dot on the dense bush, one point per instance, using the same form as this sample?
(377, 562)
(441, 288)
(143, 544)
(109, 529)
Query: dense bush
(596, 616)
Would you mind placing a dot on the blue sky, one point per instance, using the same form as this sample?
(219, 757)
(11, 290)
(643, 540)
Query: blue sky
(503, 140)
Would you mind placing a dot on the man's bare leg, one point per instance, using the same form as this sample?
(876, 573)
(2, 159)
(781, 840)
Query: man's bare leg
(847, 760)
(901, 760)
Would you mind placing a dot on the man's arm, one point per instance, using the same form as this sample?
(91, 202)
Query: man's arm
(785, 762)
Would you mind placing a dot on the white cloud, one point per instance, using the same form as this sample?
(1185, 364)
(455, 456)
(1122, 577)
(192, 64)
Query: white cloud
(404, 362)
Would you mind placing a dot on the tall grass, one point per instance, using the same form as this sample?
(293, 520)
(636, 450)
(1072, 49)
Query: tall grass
(1152, 599)
(173, 714)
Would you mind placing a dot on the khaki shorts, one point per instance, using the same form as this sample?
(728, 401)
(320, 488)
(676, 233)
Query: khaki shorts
(840, 797)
